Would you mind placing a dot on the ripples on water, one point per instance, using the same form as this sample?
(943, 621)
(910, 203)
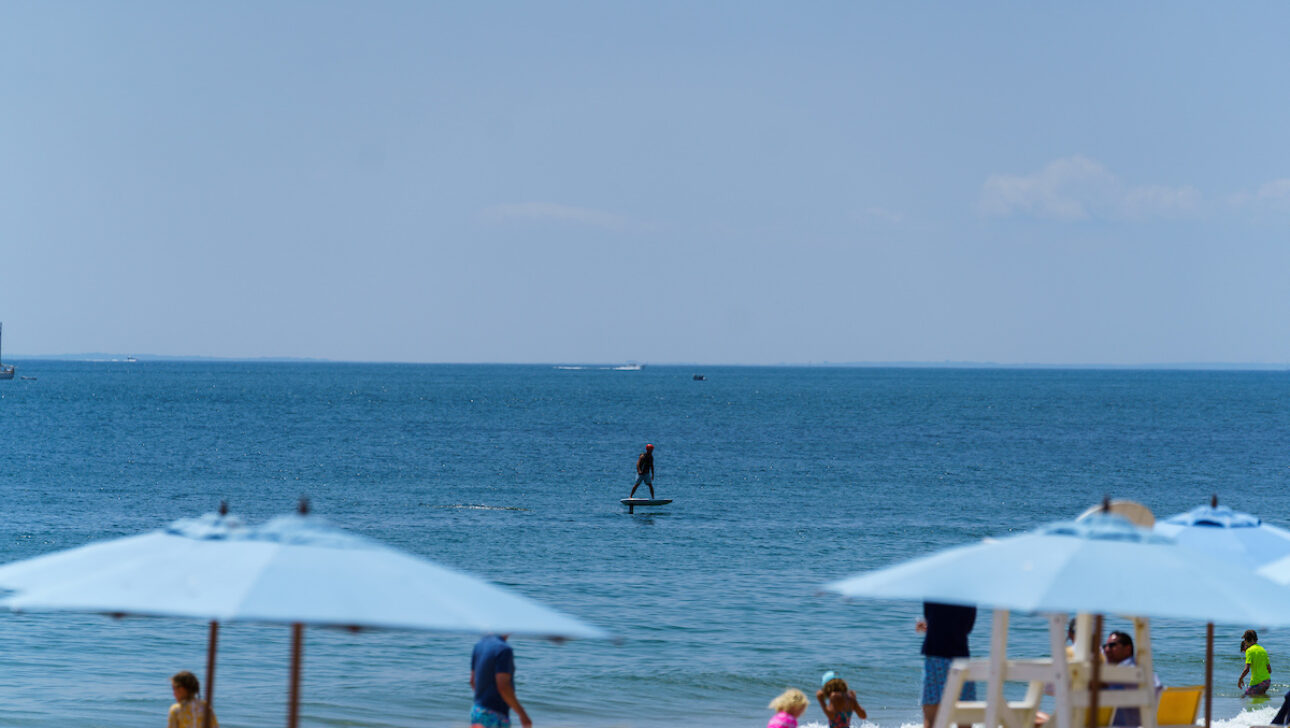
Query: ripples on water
(783, 479)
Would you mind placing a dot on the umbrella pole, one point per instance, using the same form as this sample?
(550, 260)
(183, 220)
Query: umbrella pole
(1209, 668)
(1096, 678)
(210, 673)
(293, 698)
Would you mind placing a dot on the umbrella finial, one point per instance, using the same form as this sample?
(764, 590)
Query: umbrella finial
(223, 508)
(1106, 504)
(303, 508)
(1213, 501)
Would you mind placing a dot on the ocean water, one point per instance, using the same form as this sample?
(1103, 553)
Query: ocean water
(783, 479)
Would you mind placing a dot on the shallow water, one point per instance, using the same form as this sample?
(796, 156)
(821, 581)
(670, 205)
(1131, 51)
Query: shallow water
(783, 479)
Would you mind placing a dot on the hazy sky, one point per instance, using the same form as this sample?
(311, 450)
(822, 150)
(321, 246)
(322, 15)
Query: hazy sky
(654, 181)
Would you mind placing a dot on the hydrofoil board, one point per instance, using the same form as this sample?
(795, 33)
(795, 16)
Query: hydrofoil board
(631, 503)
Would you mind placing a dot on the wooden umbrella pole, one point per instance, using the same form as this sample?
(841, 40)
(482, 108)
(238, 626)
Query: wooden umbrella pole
(211, 644)
(1096, 677)
(1209, 667)
(297, 648)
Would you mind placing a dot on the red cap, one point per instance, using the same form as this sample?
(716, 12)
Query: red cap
(649, 447)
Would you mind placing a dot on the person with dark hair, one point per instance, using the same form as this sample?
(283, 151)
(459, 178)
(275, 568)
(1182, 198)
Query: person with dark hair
(1116, 640)
(492, 677)
(644, 471)
(946, 628)
(189, 711)
(1118, 650)
(838, 701)
(1257, 665)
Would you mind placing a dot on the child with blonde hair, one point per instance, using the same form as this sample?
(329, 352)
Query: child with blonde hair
(838, 701)
(788, 707)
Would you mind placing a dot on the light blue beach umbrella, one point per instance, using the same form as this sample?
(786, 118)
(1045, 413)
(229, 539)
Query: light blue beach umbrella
(149, 555)
(1226, 534)
(171, 543)
(1098, 565)
(295, 570)
(1239, 538)
(1102, 564)
(1278, 571)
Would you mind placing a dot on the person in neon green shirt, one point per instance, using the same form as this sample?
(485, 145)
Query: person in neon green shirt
(1257, 665)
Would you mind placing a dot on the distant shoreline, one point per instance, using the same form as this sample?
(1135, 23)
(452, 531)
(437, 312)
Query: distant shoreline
(1159, 366)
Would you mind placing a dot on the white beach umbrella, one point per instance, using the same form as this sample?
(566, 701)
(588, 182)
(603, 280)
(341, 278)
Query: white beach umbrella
(1278, 571)
(170, 543)
(156, 554)
(1101, 564)
(293, 570)
(1241, 538)
(1223, 533)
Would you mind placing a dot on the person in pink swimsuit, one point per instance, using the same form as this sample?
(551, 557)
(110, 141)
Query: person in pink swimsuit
(788, 707)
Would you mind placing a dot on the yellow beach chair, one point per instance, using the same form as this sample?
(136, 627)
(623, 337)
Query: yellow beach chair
(1178, 706)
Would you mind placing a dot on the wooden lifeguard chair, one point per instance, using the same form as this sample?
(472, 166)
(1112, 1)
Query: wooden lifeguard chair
(1068, 678)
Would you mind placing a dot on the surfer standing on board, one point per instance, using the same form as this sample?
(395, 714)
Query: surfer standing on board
(644, 471)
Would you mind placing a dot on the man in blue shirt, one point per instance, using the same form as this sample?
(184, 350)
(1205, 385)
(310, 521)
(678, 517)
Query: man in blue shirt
(492, 677)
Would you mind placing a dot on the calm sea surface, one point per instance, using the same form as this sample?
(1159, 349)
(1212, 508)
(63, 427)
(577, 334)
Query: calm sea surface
(783, 479)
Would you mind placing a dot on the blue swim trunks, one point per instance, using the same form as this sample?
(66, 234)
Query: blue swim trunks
(935, 670)
(485, 718)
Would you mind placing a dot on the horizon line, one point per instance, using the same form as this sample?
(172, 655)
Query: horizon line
(895, 364)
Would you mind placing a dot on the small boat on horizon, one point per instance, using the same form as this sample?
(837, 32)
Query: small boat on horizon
(6, 372)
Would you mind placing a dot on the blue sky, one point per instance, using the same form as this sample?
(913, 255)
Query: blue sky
(647, 181)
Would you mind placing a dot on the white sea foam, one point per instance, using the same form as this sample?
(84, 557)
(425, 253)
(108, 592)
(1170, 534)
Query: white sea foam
(1247, 718)
(476, 507)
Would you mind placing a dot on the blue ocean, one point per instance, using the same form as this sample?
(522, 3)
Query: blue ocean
(783, 479)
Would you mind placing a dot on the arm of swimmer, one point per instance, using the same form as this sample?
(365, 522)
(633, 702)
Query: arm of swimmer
(856, 707)
(824, 705)
(507, 688)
